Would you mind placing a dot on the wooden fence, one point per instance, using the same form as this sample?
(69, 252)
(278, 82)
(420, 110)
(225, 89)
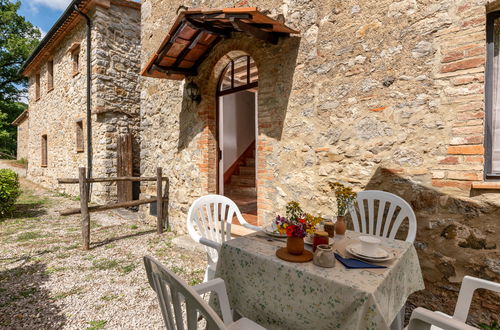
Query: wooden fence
(85, 209)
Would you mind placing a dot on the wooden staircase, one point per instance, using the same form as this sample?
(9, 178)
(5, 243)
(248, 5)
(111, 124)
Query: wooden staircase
(240, 185)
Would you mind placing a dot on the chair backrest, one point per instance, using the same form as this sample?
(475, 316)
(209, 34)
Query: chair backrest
(172, 292)
(382, 223)
(211, 217)
(469, 285)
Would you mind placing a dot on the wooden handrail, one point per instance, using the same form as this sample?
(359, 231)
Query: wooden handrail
(98, 208)
(123, 178)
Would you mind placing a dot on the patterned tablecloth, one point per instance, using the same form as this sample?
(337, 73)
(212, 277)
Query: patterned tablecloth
(281, 295)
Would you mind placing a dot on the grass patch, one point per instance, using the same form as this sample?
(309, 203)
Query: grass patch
(65, 294)
(68, 196)
(27, 293)
(178, 270)
(94, 325)
(72, 246)
(51, 270)
(127, 269)
(110, 297)
(27, 236)
(134, 227)
(104, 264)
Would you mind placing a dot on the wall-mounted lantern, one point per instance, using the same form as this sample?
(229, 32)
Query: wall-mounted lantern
(193, 92)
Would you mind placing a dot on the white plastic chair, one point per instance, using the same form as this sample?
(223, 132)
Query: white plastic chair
(172, 292)
(209, 223)
(380, 225)
(422, 318)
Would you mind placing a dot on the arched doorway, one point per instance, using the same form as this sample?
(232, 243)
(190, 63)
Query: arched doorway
(237, 134)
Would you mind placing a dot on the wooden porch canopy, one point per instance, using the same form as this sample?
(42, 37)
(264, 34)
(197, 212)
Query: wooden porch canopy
(196, 31)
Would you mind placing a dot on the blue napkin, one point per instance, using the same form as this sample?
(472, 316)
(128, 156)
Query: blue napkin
(351, 263)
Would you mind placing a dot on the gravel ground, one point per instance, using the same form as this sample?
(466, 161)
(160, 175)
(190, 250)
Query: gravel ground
(48, 282)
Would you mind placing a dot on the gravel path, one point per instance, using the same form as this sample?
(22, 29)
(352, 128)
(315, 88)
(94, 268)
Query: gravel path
(48, 282)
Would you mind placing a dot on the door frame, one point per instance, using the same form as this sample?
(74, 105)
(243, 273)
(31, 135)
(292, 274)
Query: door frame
(232, 90)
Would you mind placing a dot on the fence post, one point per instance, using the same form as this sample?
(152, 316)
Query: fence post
(159, 201)
(84, 205)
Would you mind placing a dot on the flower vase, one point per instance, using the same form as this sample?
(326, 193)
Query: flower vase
(295, 245)
(340, 225)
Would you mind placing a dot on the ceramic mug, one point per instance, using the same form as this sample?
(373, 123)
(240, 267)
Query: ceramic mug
(324, 256)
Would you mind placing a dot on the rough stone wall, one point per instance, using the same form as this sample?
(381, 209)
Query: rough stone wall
(22, 139)
(377, 94)
(115, 101)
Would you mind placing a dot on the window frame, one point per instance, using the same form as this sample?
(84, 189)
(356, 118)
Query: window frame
(50, 75)
(44, 159)
(488, 113)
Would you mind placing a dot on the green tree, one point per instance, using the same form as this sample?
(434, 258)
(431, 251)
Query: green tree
(18, 38)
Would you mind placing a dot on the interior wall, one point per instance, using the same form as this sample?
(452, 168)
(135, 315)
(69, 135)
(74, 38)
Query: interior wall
(238, 125)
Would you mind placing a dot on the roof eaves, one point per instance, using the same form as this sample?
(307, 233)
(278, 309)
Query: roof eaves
(52, 32)
(22, 117)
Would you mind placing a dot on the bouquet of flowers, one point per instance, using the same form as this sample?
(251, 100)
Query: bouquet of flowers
(345, 197)
(297, 223)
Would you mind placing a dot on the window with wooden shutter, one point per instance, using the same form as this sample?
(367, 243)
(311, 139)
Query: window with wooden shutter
(44, 151)
(50, 76)
(37, 86)
(79, 136)
(75, 55)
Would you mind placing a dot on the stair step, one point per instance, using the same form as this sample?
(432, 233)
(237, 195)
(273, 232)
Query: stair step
(247, 170)
(240, 190)
(243, 180)
(250, 161)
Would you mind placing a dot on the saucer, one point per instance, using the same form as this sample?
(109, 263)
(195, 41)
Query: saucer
(376, 253)
(357, 246)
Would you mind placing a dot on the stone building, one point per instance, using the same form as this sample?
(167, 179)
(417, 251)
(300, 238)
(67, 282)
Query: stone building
(57, 139)
(23, 126)
(390, 95)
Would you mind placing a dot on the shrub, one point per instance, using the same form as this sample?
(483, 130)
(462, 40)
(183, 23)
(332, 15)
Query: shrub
(9, 191)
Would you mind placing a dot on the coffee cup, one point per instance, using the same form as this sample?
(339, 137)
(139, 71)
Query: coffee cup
(369, 244)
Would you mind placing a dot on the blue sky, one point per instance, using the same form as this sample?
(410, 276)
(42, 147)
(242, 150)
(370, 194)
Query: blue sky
(43, 13)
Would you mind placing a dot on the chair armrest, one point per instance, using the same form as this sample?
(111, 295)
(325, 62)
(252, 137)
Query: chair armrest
(469, 285)
(210, 243)
(252, 227)
(219, 287)
(422, 318)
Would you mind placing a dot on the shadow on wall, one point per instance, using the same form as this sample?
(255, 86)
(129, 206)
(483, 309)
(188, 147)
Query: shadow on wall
(455, 237)
(276, 67)
(24, 303)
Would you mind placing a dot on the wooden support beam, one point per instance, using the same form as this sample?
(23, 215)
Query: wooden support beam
(84, 207)
(209, 28)
(159, 201)
(254, 31)
(169, 70)
(123, 178)
(98, 208)
(186, 50)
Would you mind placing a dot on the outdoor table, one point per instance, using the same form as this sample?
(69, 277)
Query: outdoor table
(282, 295)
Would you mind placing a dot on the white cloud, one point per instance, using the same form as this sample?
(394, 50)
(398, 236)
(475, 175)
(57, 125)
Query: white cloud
(53, 4)
(42, 32)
